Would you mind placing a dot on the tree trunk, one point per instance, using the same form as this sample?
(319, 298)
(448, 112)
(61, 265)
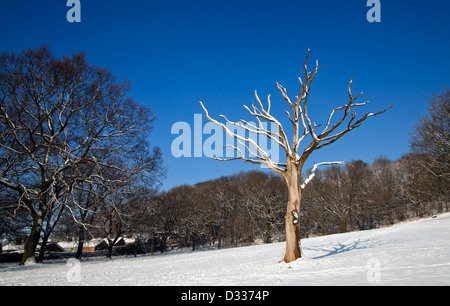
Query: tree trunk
(389, 212)
(110, 247)
(292, 222)
(43, 246)
(163, 243)
(109, 254)
(32, 240)
(81, 237)
(194, 240)
(343, 222)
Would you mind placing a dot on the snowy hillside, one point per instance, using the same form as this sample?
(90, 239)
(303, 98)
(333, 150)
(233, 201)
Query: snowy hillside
(413, 253)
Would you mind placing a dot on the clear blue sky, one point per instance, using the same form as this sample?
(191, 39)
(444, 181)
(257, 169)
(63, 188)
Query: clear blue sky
(177, 52)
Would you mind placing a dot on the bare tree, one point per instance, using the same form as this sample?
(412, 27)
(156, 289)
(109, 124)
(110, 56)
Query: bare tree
(262, 197)
(345, 195)
(63, 122)
(416, 184)
(357, 174)
(336, 200)
(303, 128)
(168, 212)
(432, 135)
(225, 195)
(385, 187)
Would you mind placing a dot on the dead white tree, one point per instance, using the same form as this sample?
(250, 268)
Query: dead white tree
(303, 128)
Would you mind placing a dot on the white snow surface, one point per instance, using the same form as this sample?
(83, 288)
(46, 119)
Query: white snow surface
(410, 253)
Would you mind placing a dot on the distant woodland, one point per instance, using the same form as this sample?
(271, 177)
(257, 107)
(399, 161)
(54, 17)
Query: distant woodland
(248, 207)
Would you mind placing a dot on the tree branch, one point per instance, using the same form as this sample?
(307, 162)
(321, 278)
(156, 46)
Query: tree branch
(313, 171)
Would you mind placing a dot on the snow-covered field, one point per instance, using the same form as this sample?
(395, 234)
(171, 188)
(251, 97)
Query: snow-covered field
(412, 253)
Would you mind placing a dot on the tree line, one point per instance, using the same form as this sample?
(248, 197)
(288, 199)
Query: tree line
(249, 207)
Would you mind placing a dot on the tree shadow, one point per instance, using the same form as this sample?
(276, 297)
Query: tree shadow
(339, 247)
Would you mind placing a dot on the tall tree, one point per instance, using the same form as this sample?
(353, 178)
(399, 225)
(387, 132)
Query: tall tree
(294, 154)
(262, 197)
(62, 122)
(385, 187)
(431, 137)
(345, 193)
(416, 185)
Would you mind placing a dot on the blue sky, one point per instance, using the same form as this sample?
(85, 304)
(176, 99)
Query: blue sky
(176, 53)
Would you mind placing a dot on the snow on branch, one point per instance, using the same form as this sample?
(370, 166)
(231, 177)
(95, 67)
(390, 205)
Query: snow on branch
(313, 171)
(303, 127)
(261, 156)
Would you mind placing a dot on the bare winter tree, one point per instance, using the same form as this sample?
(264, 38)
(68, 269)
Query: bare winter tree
(344, 197)
(303, 129)
(417, 185)
(262, 197)
(385, 187)
(432, 135)
(225, 195)
(63, 122)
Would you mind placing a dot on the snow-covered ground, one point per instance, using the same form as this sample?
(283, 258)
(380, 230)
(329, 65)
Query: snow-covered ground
(412, 253)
